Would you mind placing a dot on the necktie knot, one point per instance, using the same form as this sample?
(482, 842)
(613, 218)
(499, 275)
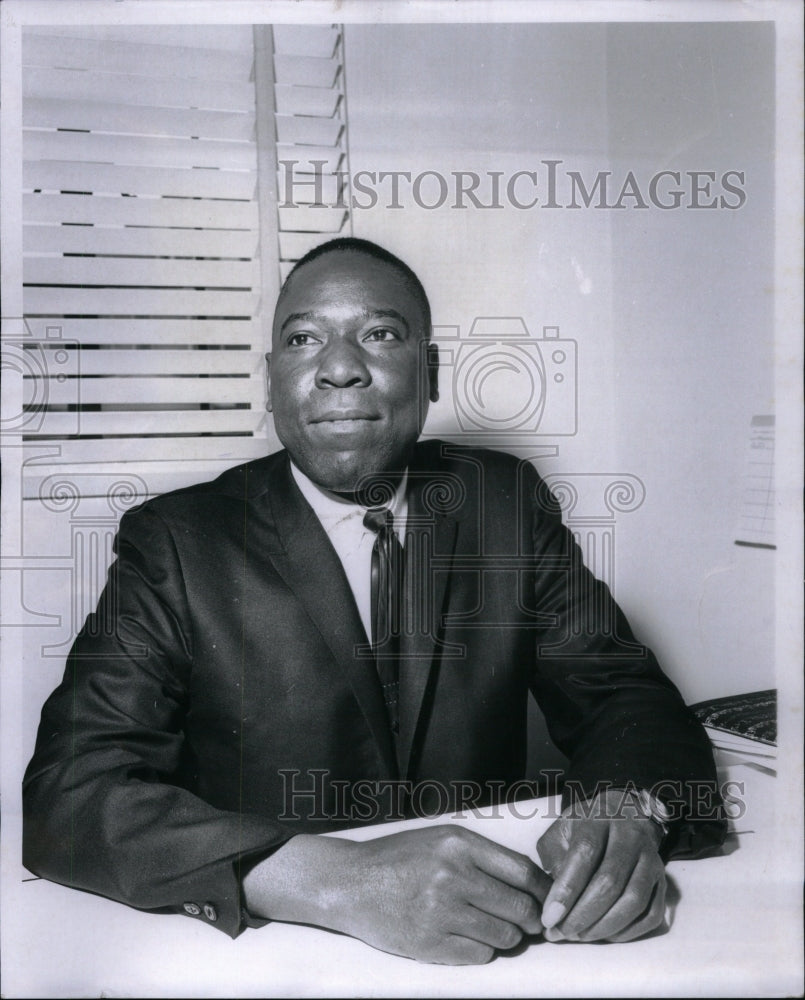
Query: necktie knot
(377, 518)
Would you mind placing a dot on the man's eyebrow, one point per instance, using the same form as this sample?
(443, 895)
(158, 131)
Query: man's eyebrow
(383, 313)
(292, 317)
(365, 314)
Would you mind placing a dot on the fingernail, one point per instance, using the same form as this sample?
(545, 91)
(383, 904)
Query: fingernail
(552, 914)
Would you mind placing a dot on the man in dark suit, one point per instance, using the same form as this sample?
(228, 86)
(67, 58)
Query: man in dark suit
(347, 631)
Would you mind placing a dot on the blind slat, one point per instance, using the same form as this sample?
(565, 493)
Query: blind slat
(129, 118)
(140, 211)
(136, 58)
(306, 71)
(320, 220)
(151, 391)
(39, 483)
(99, 178)
(320, 101)
(170, 450)
(296, 188)
(151, 331)
(122, 240)
(122, 88)
(134, 362)
(324, 159)
(161, 422)
(159, 476)
(129, 302)
(91, 147)
(122, 271)
(308, 130)
(305, 40)
(237, 37)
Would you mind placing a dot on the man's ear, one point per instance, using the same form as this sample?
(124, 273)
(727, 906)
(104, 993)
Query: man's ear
(433, 372)
(269, 405)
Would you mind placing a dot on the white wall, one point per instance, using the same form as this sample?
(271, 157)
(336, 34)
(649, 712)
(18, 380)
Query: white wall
(672, 310)
(693, 305)
(494, 98)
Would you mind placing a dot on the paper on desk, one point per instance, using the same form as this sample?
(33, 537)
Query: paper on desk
(741, 745)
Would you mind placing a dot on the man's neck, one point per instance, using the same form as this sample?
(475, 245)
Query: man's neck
(387, 490)
(376, 492)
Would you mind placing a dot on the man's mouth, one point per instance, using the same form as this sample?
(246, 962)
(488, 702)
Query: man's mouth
(343, 416)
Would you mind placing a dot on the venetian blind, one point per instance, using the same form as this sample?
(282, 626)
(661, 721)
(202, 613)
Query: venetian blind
(145, 214)
(311, 128)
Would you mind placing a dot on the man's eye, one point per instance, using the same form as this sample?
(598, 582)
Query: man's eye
(381, 334)
(301, 340)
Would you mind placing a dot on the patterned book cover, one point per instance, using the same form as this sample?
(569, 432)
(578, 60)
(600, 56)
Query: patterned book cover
(752, 715)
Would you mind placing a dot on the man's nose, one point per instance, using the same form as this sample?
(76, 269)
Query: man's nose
(342, 366)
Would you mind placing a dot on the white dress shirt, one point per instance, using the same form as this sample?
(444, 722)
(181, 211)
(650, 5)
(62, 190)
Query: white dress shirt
(352, 541)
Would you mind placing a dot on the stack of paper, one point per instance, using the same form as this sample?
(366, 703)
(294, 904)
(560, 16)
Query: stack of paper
(740, 750)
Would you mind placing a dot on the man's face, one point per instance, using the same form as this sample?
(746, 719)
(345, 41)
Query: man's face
(349, 380)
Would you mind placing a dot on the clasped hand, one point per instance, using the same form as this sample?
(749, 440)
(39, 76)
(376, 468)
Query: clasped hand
(445, 894)
(471, 897)
(608, 878)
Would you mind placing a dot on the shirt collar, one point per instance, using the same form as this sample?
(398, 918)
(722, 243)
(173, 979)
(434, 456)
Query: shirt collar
(331, 508)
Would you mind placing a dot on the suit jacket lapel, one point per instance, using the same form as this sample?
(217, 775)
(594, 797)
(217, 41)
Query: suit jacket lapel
(310, 566)
(430, 540)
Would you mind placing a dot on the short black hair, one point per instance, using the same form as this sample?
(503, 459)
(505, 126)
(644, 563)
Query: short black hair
(352, 244)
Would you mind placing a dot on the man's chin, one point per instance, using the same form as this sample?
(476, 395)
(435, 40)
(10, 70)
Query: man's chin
(350, 471)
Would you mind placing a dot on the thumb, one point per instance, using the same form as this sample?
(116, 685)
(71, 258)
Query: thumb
(552, 846)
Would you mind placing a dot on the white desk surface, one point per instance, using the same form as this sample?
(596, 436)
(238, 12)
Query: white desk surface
(735, 931)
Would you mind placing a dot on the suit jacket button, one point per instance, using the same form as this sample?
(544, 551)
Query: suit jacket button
(210, 912)
(192, 908)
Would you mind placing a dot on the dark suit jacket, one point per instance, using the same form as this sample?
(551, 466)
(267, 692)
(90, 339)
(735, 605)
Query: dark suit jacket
(223, 671)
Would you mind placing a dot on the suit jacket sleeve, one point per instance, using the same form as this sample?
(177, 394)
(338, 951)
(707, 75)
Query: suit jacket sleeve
(104, 805)
(608, 705)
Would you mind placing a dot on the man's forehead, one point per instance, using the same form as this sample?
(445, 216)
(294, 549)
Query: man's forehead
(349, 280)
(351, 268)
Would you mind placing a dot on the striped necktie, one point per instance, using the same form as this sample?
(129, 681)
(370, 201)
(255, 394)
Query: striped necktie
(387, 570)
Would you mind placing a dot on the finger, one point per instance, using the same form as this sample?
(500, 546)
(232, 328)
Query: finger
(485, 929)
(501, 900)
(618, 868)
(554, 934)
(552, 845)
(508, 866)
(654, 919)
(458, 950)
(587, 846)
(640, 908)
